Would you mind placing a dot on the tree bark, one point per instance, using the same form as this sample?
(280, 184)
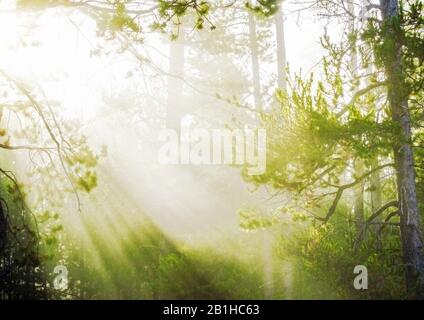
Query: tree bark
(358, 207)
(376, 200)
(410, 226)
(3, 229)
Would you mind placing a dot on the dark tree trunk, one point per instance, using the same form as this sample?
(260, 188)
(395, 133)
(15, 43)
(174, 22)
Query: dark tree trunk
(3, 228)
(376, 201)
(410, 226)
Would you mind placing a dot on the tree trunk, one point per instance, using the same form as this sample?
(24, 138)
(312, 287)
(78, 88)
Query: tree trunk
(376, 201)
(267, 235)
(268, 268)
(281, 50)
(3, 229)
(358, 208)
(287, 266)
(255, 62)
(410, 226)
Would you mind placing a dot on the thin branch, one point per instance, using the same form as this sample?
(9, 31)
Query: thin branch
(358, 94)
(25, 147)
(393, 203)
(341, 189)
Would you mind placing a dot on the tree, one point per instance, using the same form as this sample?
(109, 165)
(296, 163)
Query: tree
(60, 161)
(369, 118)
(393, 34)
(393, 45)
(281, 49)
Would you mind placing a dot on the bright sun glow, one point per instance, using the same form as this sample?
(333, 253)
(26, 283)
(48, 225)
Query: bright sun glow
(55, 51)
(209, 149)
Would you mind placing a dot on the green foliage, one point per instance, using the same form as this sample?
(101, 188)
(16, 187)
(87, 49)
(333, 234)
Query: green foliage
(309, 144)
(322, 128)
(82, 165)
(176, 9)
(35, 4)
(400, 37)
(21, 270)
(251, 220)
(325, 256)
(319, 129)
(265, 8)
(122, 21)
(149, 266)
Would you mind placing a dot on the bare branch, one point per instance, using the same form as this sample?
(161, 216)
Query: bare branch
(341, 189)
(393, 203)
